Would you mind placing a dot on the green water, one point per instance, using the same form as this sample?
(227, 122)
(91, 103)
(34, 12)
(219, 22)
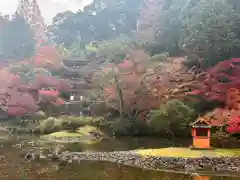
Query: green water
(15, 168)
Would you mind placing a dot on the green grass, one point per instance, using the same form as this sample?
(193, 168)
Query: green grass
(188, 153)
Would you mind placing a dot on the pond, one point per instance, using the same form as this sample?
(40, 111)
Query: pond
(15, 168)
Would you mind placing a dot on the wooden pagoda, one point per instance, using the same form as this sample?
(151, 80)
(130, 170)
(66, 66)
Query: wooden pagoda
(78, 77)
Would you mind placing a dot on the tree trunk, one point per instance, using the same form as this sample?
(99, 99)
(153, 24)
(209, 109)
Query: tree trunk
(120, 97)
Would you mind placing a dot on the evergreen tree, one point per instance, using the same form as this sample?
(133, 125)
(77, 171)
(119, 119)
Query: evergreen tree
(17, 40)
(101, 20)
(211, 33)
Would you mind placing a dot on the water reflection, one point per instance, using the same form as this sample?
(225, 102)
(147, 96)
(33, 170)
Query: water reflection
(15, 168)
(109, 171)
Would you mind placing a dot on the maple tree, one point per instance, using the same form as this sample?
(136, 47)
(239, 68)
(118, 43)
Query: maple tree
(234, 125)
(139, 85)
(18, 97)
(49, 89)
(46, 56)
(215, 83)
(15, 99)
(221, 84)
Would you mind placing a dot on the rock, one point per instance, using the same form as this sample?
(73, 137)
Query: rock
(218, 164)
(43, 156)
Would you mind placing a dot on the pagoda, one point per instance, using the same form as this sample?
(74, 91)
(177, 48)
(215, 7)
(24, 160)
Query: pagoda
(78, 76)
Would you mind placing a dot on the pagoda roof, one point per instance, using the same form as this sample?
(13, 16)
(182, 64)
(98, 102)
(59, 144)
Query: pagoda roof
(75, 60)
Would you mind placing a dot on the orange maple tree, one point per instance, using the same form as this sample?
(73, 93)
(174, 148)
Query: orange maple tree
(46, 56)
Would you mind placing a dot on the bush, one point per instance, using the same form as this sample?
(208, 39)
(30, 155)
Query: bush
(172, 118)
(125, 127)
(49, 125)
(69, 123)
(224, 140)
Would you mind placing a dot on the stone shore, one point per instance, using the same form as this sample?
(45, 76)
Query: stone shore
(189, 165)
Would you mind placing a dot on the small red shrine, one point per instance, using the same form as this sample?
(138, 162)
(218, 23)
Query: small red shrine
(201, 133)
(197, 177)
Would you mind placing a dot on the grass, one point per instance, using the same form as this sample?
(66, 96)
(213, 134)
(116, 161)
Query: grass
(188, 153)
(69, 137)
(81, 132)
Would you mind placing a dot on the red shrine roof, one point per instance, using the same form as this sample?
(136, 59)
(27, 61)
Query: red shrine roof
(201, 123)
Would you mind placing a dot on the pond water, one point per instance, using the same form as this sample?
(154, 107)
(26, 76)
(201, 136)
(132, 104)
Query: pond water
(15, 168)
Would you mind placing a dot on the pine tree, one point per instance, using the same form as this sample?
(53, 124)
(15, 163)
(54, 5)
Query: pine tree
(147, 22)
(31, 12)
(17, 40)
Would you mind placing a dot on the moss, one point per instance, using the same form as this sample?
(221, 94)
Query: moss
(187, 152)
(66, 134)
(86, 130)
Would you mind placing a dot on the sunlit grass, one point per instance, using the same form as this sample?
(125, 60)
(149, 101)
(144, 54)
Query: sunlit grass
(66, 134)
(187, 152)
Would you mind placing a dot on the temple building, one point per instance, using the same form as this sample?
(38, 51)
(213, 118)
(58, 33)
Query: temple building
(77, 76)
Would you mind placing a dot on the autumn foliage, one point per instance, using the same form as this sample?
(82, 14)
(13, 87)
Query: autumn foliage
(14, 98)
(234, 125)
(46, 56)
(18, 98)
(221, 84)
(141, 85)
(215, 84)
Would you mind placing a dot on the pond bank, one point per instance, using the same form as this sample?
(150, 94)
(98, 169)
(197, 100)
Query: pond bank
(134, 158)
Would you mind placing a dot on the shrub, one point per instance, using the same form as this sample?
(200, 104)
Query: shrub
(49, 125)
(173, 118)
(69, 123)
(125, 127)
(223, 140)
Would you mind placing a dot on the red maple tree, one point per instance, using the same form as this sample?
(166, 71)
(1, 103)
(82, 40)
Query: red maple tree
(18, 98)
(14, 99)
(222, 84)
(234, 124)
(215, 83)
